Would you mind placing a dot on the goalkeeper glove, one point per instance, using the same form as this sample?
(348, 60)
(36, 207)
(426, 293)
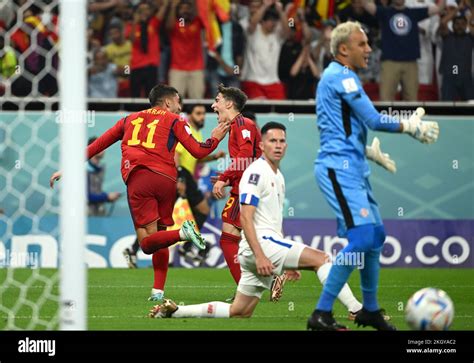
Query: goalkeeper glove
(374, 153)
(425, 131)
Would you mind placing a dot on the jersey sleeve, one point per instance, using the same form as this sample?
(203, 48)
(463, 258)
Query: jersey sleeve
(251, 187)
(111, 136)
(245, 137)
(352, 92)
(197, 149)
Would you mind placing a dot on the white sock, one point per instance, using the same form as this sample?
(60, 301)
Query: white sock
(214, 309)
(345, 295)
(157, 291)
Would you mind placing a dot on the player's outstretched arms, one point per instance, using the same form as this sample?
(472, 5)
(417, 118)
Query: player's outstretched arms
(55, 177)
(374, 153)
(426, 132)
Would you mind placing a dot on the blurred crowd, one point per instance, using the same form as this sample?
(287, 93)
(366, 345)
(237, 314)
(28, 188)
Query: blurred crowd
(421, 49)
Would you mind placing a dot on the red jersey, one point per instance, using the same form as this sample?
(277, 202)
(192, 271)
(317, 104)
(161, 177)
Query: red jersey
(186, 46)
(244, 138)
(149, 138)
(152, 57)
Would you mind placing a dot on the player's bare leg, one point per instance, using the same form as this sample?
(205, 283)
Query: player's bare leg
(242, 307)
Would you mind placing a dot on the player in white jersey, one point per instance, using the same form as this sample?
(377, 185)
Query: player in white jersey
(263, 250)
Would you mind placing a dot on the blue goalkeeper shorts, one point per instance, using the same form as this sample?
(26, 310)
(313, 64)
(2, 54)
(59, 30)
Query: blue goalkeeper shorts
(349, 196)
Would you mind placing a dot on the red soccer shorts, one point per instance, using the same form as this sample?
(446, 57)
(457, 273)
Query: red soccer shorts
(151, 197)
(231, 211)
(274, 91)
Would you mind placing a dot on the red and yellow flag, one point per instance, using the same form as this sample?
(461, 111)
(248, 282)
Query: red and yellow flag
(211, 13)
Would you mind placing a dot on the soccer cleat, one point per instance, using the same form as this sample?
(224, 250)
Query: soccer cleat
(193, 236)
(352, 315)
(323, 320)
(130, 257)
(276, 289)
(157, 296)
(375, 319)
(163, 311)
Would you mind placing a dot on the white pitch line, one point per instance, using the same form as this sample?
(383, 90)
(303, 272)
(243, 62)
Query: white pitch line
(233, 286)
(255, 317)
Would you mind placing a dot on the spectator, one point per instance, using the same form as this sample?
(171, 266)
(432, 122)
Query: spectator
(119, 53)
(144, 34)
(8, 61)
(102, 77)
(322, 53)
(427, 33)
(356, 12)
(253, 7)
(456, 59)
(400, 46)
(120, 49)
(93, 46)
(225, 64)
(187, 59)
(266, 33)
(296, 67)
(95, 179)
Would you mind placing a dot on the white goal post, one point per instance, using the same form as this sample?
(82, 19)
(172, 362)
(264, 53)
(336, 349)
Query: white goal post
(72, 89)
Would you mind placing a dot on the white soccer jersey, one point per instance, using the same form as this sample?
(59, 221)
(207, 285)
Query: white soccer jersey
(261, 187)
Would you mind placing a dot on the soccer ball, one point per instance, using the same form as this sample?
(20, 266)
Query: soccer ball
(429, 309)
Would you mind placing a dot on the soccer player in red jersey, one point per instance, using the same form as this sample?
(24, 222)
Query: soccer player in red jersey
(244, 139)
(149, 139)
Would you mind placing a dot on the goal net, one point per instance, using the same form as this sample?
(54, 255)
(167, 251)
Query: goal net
(30, 150)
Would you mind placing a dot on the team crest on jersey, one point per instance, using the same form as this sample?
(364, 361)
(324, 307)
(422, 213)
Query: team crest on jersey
(364, 212)
(245, 133)
(400, 24)
(254, 178)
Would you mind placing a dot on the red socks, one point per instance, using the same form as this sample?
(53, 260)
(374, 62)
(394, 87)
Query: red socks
(159, 240)
(160, 267)
(230, 247)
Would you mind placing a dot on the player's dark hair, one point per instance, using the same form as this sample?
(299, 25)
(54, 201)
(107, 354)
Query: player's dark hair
(235, 95)
(190, 108)
(91, 140)
(159, 93)
(271, 126)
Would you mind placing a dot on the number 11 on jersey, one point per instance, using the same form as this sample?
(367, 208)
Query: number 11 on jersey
(137, 124)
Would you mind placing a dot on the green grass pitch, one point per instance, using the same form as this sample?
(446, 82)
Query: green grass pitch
(117, 298)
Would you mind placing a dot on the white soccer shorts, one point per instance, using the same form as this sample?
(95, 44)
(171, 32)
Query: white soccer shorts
(283, 253)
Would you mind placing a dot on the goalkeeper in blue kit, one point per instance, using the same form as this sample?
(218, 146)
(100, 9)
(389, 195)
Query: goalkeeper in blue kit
(344, 114)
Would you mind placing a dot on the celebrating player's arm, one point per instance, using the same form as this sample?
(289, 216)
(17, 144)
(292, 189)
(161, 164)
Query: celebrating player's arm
(199, 149)
(111, 136)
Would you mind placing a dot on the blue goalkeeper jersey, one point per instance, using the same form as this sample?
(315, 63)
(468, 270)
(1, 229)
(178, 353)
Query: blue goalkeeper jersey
(344, 112)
